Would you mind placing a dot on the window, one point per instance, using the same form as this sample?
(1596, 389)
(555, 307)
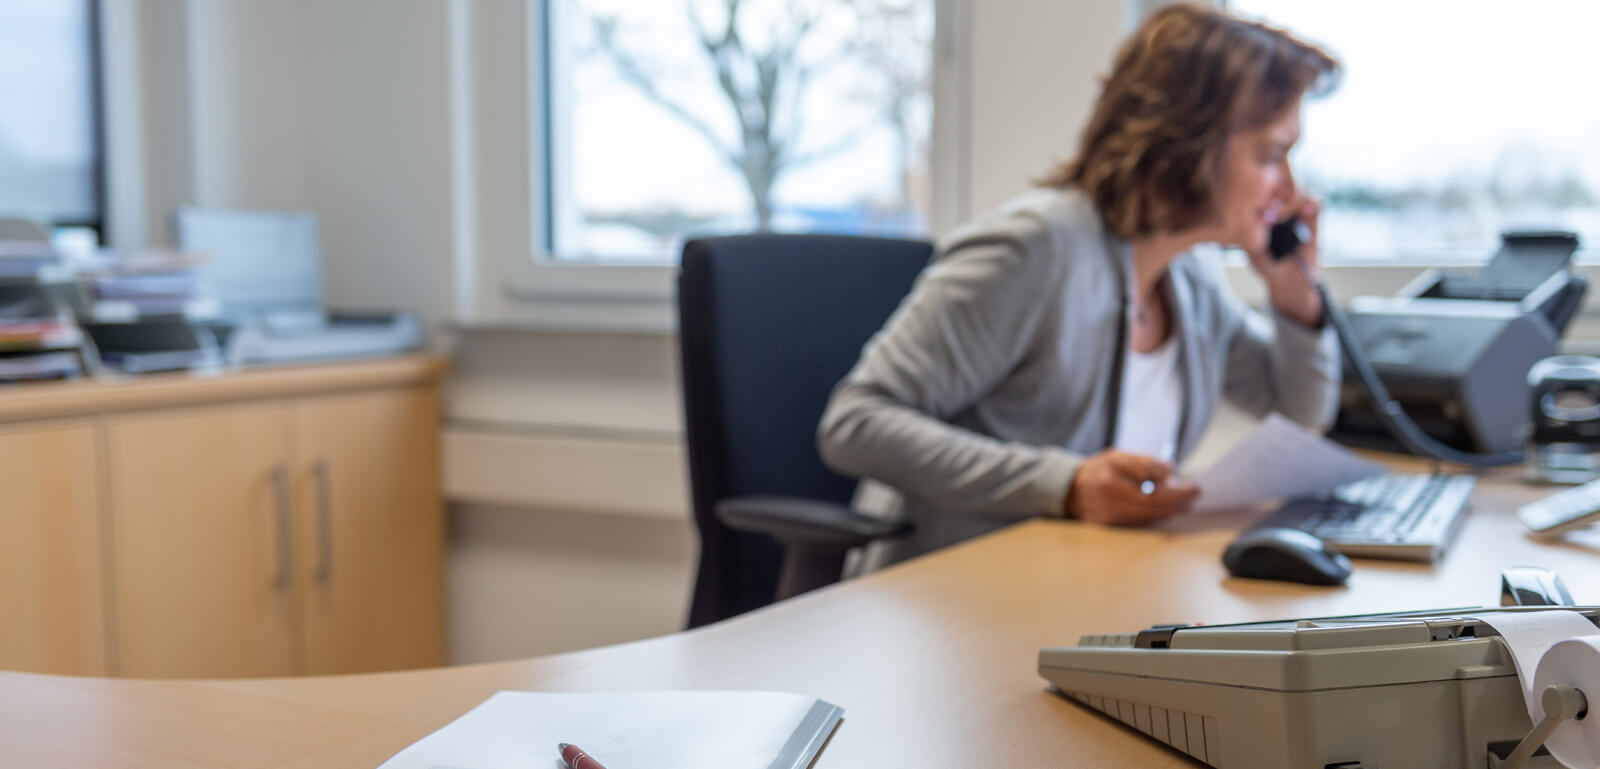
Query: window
(669, 119)
(49, 141)
(1456, 119)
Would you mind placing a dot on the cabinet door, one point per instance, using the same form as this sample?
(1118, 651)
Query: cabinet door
(372, 530)
(201, 542)
(52, 586)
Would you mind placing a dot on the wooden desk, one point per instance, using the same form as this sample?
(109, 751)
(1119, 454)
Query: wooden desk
(933, 661)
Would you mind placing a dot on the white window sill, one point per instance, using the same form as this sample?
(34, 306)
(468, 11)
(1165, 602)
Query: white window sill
(572, 317)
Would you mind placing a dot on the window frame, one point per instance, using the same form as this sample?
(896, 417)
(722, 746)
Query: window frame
(97, 130)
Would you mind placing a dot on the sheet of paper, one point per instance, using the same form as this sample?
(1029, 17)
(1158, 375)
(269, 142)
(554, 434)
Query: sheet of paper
(1278, 460)
(629, 730)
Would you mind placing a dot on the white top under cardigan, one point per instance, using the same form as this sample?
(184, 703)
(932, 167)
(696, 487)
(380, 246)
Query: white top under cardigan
(1151, 406)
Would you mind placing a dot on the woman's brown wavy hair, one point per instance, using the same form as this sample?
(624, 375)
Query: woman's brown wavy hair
(1187, 78)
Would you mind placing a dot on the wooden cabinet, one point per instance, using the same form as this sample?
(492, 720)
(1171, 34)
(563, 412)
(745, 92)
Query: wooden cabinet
(52, 585)
(261, 524)
(291, 537)
(371, 531)
(201, 552)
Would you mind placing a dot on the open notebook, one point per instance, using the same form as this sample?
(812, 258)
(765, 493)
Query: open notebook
(631, 730)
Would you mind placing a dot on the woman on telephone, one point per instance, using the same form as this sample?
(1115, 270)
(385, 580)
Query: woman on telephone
(1063, 351)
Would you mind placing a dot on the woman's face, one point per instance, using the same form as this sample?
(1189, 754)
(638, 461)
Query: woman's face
(1255, 186)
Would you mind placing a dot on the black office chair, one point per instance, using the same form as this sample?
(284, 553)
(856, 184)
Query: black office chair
(768, 324)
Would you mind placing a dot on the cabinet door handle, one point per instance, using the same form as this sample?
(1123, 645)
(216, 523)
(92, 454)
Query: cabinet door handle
(324, 475)
(280, 480)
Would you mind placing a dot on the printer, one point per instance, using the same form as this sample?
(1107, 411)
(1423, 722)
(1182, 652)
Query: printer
(1454, 347)
(1397, 691)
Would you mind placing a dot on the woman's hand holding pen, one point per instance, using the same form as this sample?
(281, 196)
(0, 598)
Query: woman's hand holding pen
(1122, 489)
(1291, 281)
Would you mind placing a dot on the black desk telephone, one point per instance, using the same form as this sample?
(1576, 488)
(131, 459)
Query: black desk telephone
(1453, 347)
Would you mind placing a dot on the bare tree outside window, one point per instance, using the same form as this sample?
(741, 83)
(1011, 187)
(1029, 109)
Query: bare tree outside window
(746, 115)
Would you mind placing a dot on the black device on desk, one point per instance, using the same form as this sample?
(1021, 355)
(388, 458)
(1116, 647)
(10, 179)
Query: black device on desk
(1476, 391)
(166, 343)
(1454, 347)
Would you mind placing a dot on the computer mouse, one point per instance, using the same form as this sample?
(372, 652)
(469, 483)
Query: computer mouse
(1289, 555)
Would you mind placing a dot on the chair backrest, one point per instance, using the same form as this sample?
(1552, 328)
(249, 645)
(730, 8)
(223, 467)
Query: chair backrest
(768, 324)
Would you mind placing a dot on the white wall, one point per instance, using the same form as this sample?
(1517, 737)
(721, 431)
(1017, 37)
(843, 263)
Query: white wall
(149, 165)
(377, 114)
(352, 109)
(1033, 69)
(248, 118)
(340, 108)
(564, 455)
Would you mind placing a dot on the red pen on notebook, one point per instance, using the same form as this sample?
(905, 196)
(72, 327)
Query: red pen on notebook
(576, 758)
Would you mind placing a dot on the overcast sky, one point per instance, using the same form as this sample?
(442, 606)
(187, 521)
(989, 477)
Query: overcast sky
(1433, 86)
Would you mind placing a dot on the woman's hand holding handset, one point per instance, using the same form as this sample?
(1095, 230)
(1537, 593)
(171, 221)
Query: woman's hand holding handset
(1289, 264)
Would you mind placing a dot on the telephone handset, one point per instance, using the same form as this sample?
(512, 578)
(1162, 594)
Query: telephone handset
(1286, 238)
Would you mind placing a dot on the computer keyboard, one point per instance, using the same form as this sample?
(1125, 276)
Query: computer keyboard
(1404, 517)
